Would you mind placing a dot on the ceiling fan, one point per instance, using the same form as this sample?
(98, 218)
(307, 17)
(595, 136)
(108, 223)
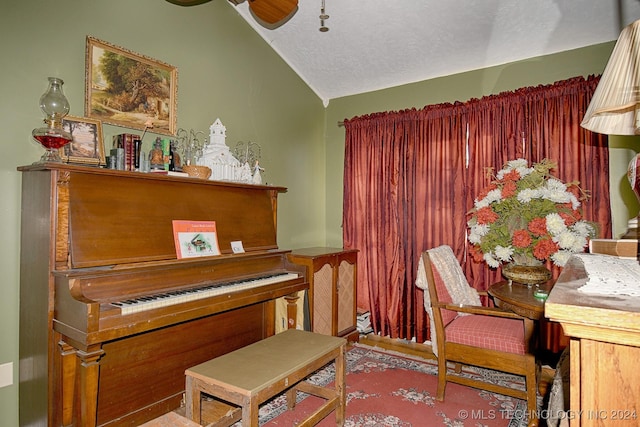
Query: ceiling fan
(268, 13)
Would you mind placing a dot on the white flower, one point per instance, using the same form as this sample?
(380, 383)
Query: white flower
(555, 224)
(527, 194)
(566, 239)
(504, 254)
(575, 203)
(571, 241)
(584, 229)
(490, 260)
(553, 185)
(477, 232)
(560, 258)
(580, 243)
(524, 171)
(492, 196)
(519, 165)
(557, 192)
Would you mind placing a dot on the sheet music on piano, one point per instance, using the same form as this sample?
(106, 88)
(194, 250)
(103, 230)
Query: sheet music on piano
(195, 238)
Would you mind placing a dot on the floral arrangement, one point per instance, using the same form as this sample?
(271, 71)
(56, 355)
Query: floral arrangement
(526, 216)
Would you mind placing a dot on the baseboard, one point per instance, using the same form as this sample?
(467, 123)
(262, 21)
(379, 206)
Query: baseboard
(398, 345)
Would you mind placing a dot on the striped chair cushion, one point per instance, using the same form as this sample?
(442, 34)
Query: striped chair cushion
(494, 333)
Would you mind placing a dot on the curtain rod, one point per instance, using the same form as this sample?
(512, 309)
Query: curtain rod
(340, 124)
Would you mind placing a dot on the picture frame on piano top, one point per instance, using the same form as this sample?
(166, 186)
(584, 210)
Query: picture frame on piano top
(87, 145)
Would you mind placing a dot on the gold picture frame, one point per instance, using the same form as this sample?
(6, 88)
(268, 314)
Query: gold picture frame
(87, 145)
(128, 89)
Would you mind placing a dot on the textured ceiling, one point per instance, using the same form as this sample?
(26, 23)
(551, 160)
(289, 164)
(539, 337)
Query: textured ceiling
(376, 44)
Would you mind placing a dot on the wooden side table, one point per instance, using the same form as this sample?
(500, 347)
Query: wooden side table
(519, 298)
(253, 374)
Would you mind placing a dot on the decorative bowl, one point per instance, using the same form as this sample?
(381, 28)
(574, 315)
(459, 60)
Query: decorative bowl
(526, 274)
(195, 171)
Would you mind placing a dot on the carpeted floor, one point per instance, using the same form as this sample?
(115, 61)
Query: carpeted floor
(388, 389)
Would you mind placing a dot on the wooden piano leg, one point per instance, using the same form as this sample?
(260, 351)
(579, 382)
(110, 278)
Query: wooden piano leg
(292, 310)
(89, 373)
(68, 357)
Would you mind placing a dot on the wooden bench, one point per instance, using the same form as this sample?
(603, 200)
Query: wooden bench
(253, 374)
(170, 419)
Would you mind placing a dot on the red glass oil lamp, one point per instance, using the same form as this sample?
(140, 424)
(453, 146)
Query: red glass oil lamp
(55, 106)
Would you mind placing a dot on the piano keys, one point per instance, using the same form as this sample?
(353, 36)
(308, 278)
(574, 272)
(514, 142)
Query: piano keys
(111, 317)
(165, 299)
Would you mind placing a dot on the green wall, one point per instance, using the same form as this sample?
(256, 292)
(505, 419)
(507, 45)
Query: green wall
(475, 84)
(225, 70)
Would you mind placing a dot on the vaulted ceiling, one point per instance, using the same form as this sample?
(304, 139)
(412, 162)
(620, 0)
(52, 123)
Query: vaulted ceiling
(376, 44)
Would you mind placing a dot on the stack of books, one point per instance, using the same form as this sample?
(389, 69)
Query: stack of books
(363, 321)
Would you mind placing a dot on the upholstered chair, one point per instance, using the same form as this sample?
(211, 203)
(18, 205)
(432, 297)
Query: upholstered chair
(463, 332)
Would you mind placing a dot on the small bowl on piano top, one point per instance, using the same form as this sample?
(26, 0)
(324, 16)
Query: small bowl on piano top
(196, 171)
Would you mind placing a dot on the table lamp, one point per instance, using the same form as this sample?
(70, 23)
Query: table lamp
(615, 106)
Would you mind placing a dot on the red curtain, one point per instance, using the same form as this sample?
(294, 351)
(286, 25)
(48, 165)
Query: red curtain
(411, 176)
(405, 169)
(496, 126)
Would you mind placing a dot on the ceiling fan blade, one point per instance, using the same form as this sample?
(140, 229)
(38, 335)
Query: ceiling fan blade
(187, 2)
(273, 11)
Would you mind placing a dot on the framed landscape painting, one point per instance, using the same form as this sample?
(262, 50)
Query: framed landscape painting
(87, 146)
(128, 89)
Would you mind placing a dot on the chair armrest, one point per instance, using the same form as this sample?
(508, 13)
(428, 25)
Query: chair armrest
(475, 309)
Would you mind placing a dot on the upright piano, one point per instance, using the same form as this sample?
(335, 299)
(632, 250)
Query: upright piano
(110, 318)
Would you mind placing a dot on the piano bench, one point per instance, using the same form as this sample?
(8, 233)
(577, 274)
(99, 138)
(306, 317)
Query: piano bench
(170, 419)
(254, 374)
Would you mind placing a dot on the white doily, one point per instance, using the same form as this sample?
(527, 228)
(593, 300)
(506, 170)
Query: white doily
(609, 275)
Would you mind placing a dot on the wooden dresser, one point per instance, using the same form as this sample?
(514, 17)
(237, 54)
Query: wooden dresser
(604, 350)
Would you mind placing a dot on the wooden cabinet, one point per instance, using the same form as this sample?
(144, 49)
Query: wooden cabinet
(604, 350)
(331, 273)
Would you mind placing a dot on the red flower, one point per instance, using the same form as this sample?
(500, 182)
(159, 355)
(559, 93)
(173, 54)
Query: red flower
(544, 248)
(509, 189)
(577, 214)
(521, 239)
(476, 255)
(569, 220)
(538, 226)
(486, 215)
(512, 175)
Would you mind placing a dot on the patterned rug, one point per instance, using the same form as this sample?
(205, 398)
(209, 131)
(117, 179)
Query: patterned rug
(388, 389)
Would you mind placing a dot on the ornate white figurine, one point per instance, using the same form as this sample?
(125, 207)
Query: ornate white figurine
(217, 156)
(257, 178)
(245, 173)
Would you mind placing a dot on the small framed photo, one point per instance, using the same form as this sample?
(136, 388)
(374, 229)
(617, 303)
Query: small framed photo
(87, 146)
(125, 88)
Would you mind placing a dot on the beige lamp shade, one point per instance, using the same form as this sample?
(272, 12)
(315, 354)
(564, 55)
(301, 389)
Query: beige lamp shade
(615, 106)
